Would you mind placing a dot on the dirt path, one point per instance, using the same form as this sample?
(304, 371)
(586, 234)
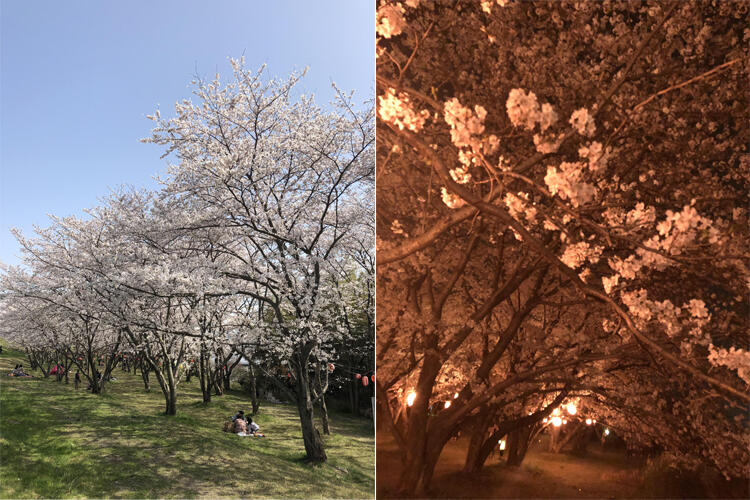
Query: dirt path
(601, 474)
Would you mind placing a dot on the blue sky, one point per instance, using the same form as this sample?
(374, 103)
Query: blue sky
(79, 77)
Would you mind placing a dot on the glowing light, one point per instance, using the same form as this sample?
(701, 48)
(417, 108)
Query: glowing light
(447, 405)
(556, 421)
(410, 398)
(606, 432)
(455, 396)
(594, 420)
(588, 421)
(544, 420)
(571, 408)
(565, 421)
(502, 444)
(556, 412)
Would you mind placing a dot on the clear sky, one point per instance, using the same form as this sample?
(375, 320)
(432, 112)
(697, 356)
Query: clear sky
(79, 77)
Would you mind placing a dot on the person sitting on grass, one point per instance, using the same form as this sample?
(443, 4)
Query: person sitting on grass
(254, 428)
(240, 426)
(18, 372)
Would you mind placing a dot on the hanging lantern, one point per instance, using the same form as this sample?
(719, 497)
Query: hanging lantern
(331, 367)
(288, 375)
(357, 376)
(365, 381)
(372, 378)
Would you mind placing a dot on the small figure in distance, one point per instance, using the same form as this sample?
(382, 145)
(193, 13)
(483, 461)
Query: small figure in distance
(254, 428)
(77, 379)
(240, 423)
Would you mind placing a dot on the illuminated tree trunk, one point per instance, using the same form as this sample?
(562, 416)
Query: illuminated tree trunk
(474, 456)
(518, 445)
(419, 464)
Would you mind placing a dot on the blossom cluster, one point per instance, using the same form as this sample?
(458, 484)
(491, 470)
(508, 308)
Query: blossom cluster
(396, 108)
(465, 125)
(398, 228)
(520, 207)
(390, 20)
(569, 184)
(734, 359)
(451, 200)
(577, 254)
(487, 5)
(524, 111)
(641, 215)
(583, 122)
(644, 310)
(677, 231)
(595, 155)
(693, 313)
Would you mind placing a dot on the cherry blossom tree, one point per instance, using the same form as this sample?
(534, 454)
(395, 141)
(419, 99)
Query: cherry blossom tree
(547, 173)
(281, 181)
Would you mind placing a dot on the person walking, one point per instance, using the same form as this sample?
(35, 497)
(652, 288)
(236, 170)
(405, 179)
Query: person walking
(77, 379)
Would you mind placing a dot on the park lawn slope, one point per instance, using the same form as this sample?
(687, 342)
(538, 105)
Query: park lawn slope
(56, 442)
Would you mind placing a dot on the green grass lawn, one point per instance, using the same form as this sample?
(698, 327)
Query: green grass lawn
(58, 442)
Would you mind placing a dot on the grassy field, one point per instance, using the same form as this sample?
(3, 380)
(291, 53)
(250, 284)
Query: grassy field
(58, 442)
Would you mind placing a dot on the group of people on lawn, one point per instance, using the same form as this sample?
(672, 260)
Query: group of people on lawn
(18, 372)
(244, 426)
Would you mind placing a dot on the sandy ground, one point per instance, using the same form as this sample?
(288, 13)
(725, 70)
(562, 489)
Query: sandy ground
(600, 474)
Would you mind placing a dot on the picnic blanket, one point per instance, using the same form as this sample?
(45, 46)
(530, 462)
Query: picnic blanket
(245, 434)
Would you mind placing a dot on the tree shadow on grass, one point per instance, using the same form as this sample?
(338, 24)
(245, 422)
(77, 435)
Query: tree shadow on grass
(58, 442)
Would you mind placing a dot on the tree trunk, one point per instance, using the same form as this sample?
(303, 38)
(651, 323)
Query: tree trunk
(171, 401)
(313, 442)
(518, 445)
(68, 364)
(324, 415)
(412, 480)
(144, 375)
(253, 390)
(95, 379)
(203, 375)
(355, 392)
(216, 379)
(96, 382)
(478, 435)
(168, 389)
(554, 439)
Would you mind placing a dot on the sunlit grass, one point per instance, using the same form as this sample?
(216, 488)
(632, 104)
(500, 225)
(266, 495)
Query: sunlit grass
(58, 442)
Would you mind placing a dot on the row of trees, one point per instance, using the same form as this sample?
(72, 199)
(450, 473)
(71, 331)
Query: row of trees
(259, 244)
(562, 213)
